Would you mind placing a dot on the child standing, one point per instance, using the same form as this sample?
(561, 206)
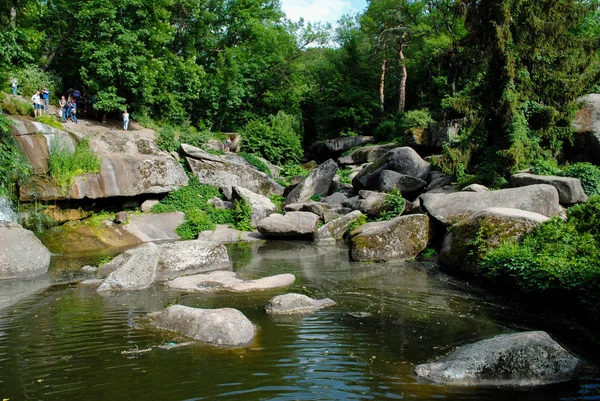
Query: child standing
(125, 120)
(13, 85)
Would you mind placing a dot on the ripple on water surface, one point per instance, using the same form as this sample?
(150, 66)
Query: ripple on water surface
(67, 342)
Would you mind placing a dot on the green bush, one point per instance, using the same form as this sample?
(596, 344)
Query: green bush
(546, 167)
(394, 205)
(278, 201)
(13, 164)
(65, 164)
(588, 174)
(242, 215)
(560, 256)
(415, 119)
(196, 220)
(357, 223)
(256, 162)
(32, 78)
(277, 140)
(345, 176)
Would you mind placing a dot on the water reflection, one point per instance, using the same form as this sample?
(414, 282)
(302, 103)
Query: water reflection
(66, 342)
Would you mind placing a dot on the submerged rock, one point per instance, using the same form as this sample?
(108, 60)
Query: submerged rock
(521, 359)
(22, 254)
(224, 327)
(289, 304)
(218, 281)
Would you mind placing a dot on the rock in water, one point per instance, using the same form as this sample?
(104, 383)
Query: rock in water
(137, 269)
(521, 359)
(289, 304)
(225, 326)
(22, 254)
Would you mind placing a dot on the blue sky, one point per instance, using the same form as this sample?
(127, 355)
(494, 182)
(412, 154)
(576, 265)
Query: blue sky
(321, 10)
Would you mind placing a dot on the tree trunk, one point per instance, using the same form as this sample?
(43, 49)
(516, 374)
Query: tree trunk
(58, 46)
(403, 76)
(382, 86)
(13, 16)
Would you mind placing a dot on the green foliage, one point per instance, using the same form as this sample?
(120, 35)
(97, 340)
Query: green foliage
(49, 120)
(316, 198)
(31, 78)
(277, 139)
(278, 201)
(256, 162)
(171, 137)
(293, 170)
(193, 196)
(13, 164)
(357, 223)
(65, 164)
(345, 176)
(196, 220)
(560, 256)
(394, 205)
(242, 215)
(15, 106)
(588, 174)
(415, 119)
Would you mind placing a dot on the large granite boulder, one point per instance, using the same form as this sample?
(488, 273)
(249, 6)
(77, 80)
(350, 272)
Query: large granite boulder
(135, 269)
(366, 154)
(228, 281)
(332, 148)
(224, 327)
(402, 160)
(292, 304)
(155, 227)
(468, 241)
(390, 180)
(318, 182)
(131, 166)
(454, 207)
(335, 229)
(190, 257)
(292, 224)
(521, 359)
(569, 189)
(225, 173)
(260, 205)
(587, 131)
(400, 238)
(22, 254)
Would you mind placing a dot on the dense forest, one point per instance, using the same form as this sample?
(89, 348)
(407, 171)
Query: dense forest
(508, 70)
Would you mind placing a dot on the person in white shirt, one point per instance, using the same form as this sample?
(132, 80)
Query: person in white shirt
(37, 104)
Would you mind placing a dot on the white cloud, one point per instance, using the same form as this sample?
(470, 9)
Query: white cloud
(321, 10)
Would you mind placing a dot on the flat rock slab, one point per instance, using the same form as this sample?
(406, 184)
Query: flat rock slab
(521, 359)
(291, 304)
(223, 327)
(224, 234)
(155, 227)
(229, 281)
(569, 189)
(452, 208)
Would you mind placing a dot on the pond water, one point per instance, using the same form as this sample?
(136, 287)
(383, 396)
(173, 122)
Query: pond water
(66, 342)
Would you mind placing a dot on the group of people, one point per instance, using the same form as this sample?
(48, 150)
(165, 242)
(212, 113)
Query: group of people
(68, 105)
(40, 100)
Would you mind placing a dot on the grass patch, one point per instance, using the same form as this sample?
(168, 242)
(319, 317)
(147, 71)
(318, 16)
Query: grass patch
(66, 164)
(256, 162)
(50, 120)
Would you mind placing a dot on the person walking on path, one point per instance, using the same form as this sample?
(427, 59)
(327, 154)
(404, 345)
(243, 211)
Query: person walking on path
(63, 109)
(37, 104)
(14, 83)
(45, 99)
(125, 120)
